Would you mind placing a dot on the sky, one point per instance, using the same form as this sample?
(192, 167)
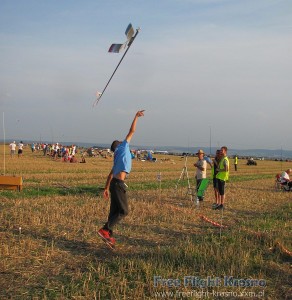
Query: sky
(205, 71)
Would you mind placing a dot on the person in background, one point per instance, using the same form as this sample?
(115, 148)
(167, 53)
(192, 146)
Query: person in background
(235, 162)
(45, 148)
(73, 159)
(285, 179)
(20, 149)
(115, 185)
(208, 160)
(222, 176)
(214, 171)
(138, 154)
(201, 171)
(12, 147)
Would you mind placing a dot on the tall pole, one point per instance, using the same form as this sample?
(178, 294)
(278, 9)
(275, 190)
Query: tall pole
(210, 142)
(281, 159)
(4, 142)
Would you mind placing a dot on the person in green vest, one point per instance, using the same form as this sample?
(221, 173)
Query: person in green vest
(222, 176)
(215, 166)
(235, 162)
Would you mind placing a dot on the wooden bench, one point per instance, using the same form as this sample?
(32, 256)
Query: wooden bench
(11, 183)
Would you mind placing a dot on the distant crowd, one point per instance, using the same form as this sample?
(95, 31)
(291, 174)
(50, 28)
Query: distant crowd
(57, 150)
(66, 153)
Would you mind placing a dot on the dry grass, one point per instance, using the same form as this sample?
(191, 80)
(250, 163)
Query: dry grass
(57, 255)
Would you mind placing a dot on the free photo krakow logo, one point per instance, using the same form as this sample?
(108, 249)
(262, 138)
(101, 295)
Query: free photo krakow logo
(195, 281)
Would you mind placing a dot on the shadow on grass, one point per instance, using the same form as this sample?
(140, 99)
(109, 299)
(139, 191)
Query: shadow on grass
(97, 250)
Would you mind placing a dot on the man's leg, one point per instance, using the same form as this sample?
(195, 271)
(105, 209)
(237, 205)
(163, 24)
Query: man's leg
(222, 198)
(198, 185)
(216, 194)
(215, 184)
(221, 189)
(119, 204)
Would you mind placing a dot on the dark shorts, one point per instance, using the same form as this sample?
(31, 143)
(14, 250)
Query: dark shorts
(215, 183)
(221, 186)
(19, 151)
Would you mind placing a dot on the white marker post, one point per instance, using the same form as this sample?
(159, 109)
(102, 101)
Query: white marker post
(159, 180)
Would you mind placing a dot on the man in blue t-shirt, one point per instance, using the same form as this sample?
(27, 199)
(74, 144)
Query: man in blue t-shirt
(115, 185)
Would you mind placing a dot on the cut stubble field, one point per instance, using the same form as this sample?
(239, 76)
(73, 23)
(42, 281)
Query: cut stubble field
(50, 249)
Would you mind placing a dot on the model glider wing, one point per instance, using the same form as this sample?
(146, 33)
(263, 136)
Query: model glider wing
(116, 48)
(129, 32)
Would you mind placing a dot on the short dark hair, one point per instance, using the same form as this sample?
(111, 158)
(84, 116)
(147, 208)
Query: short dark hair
(114, 145)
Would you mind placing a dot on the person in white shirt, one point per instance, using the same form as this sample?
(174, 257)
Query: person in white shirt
(73, 150)
(12, 147)
(201, 171)
(285, 178)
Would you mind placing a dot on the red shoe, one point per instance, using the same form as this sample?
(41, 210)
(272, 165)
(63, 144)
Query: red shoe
(111, 241)
(104, 234)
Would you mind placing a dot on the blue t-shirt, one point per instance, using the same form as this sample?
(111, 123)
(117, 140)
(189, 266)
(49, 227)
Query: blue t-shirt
(122, 158)
(208, 159)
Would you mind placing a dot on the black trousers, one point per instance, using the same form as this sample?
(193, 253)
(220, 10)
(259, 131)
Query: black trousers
(289, 184)
(119, 204)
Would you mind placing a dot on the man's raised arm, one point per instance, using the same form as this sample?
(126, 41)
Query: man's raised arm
(140, 113)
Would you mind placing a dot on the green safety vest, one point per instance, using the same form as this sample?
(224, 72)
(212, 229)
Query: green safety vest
(235, 160)
(222, 175)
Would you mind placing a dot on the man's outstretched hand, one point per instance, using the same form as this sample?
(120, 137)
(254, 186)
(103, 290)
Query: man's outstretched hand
(140, 113)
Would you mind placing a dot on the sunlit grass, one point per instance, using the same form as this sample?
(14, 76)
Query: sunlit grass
(49, 248)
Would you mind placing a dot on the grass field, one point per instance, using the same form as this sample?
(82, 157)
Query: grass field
(49, 247)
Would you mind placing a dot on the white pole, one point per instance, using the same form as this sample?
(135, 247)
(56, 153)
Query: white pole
(159, 190)
(4, 142)
(210, 142)
(281, 158)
